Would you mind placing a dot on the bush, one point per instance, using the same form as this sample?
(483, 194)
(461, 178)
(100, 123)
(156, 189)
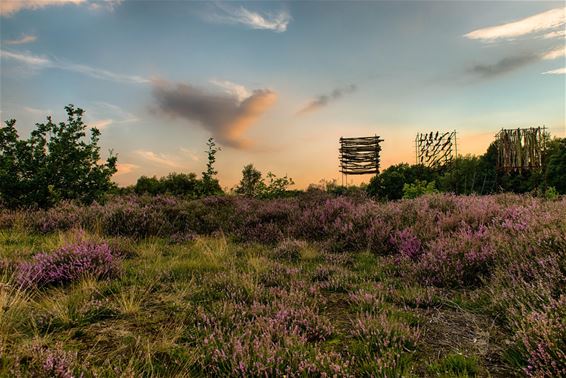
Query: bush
(555, 173)
(289, 250)
(418, 189)
(54, 164)
(253, 185)
(68, 264)
(388, 185)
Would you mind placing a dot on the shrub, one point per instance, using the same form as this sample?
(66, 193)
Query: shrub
(544, 339)
(52, 362)
(68, 264)
(290, 250)
(418, 188)
(54, 164)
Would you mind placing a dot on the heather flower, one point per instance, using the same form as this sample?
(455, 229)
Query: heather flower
(289, 249)
(52, 362)
(68, 264)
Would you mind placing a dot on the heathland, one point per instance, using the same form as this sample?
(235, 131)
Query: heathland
(313, 285)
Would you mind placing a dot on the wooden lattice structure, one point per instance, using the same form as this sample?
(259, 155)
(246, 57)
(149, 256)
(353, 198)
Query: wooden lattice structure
(520, 149)
(359, 156)
(435, 149)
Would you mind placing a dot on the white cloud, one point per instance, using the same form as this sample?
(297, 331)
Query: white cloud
(558, 71)
(42, 62)
(554, 54)
(25, 58)
(22, 40)
(159, 158)
(9, 7)
(276, 21)
(555, 34)
(100, 73)
(233, 89)
(542, 22)
(102, 114)
(108, 5)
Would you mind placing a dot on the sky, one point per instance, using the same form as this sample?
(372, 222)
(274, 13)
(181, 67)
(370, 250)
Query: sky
(277, 84)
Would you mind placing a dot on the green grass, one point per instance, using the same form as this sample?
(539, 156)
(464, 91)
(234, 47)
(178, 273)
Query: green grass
(456, 365)
(148, 321)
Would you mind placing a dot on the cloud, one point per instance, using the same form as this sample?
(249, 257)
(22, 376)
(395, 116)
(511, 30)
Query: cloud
(503, 66)
(542, 22)
(9, 7)
(108, 5)
(555, 34)
(237, 90)
(35, 111)
(43, 62)
(558, 71)
(22, 40)
(224, 115)
(102, 114)
(101, 124)
(323, 100)
(276, 21)
(554, 54)
(25, 58)
(125, 168)
(159, 158)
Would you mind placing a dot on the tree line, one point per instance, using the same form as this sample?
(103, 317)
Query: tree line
(61, 161)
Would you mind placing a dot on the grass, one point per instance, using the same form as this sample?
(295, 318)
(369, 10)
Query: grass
(144, 322)
(215, 307)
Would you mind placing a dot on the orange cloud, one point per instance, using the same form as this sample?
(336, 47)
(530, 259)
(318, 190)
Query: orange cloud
(224, 115)
(9, 7)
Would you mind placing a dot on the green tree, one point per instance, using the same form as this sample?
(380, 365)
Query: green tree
(210, 185)
(555, 173)
(251, 184)
(418, 188)
(55, 163)
(388, 185)
(148, 185)
(463, 175)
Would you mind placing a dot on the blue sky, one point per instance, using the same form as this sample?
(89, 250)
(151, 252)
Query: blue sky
(277, 83)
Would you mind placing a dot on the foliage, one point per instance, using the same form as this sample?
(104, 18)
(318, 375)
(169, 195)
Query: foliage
(555, 174)
(456, 365)
(184, 184)
(388, 185)
(54, 164)
(210, 184)
(68, 264)
(464, 175)
(313, 285)
(418, 188)
(178, 184)
(253, 185)
(476, 175)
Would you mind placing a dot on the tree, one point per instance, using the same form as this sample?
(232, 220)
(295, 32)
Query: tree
(556, 165)
(210, 185)
(389, 184)
(251, 183)
(418, 188)
(55, 163)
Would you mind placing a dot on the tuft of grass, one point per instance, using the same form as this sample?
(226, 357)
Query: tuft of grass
(129, 300)
(456, 365)
(309, 253)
